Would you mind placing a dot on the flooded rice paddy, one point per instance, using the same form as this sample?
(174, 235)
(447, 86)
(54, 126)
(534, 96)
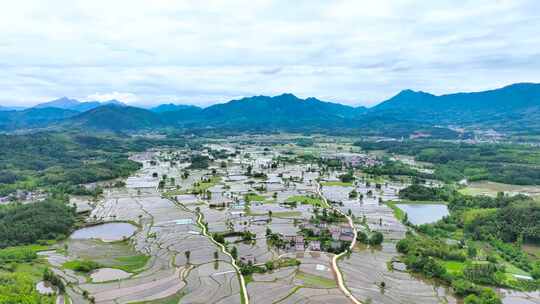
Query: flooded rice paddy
(45, 288)
(419, 214)
(108, 232)
(108, 274)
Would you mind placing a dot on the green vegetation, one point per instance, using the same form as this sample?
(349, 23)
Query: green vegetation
(20, 254)
(484, 249)
(315, 281)
(26, 224)
(205, 184)
(254, 197)
(61, 161)
(19, 288)
(249, 269)
(374, 238)
(417, 192)
(85, 266)
(505, 163)
(307, 200)
(130, 263)
(199, 162)
(394, 168)
(398, 213)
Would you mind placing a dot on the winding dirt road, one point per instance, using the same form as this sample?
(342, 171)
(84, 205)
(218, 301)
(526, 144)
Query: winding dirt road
(335, 259)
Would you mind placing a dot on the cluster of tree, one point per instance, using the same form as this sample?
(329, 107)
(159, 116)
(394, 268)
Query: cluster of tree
(26, 224)
(417, 192)
(374, 238)
(85, 266)
(55, 280)
(424, 255)
(304, 142)
(64, 160)
(199, 162)
(519, 220)
(430, 247)
(507, 163)
(326, 217)
(249, 268)
(347, 177)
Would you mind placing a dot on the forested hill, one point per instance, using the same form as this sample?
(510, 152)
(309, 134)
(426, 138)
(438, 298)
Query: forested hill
(511, 105)
(511, 108)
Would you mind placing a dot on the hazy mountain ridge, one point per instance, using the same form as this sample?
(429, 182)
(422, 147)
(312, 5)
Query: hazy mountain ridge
(76, 105)
(513, 107)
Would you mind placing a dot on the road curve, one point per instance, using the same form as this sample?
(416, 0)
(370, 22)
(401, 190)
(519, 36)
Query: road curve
(339, 275)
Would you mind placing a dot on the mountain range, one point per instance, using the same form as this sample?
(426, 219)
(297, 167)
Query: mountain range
(512, 108)
(75, 105)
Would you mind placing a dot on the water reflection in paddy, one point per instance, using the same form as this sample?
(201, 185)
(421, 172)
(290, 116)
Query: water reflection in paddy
(107, 232)
(419, 214)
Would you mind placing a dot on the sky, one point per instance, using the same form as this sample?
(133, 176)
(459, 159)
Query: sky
(204, 52)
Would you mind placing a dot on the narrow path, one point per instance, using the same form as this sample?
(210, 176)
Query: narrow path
(337, 271)
(243, 287)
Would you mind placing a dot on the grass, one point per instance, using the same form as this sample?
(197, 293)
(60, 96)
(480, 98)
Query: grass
(254, 197)
(306, 200)
(131, 263)
(336, 183)
(511, 269)
(315, 281)
(453, 267)
(84, 266)
(34, 269)
(471, 215)
(203, 186)
(398, 213)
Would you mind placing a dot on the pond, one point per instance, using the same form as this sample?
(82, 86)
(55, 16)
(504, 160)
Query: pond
(419, 214)
(108, 274)
(108, 232)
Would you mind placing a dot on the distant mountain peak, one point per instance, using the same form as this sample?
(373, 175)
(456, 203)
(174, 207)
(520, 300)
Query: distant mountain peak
(409, 92)
(62, 103)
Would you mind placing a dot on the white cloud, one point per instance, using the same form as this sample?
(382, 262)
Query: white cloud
(120, 96)
(210, 51)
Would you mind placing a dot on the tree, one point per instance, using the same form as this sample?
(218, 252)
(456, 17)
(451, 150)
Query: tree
(487, 296)
(269, 265)
(234, 253)
(376, 238)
